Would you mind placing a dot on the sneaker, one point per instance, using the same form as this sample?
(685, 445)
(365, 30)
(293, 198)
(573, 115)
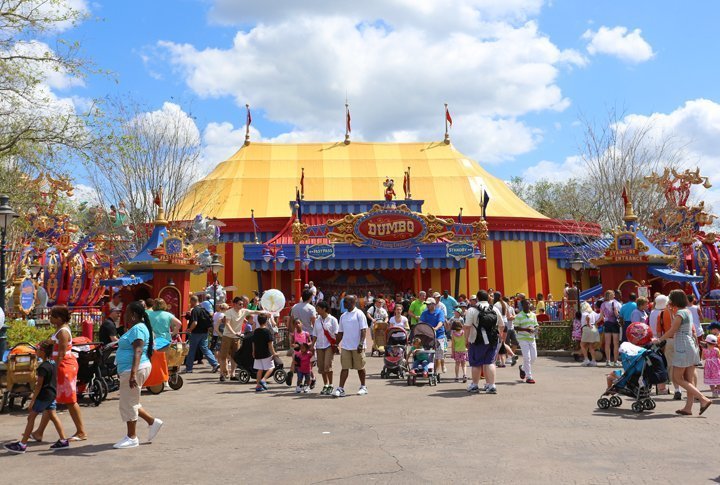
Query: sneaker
(464, 379)
(592, 364)
(154, 429)
(263, 384)
(234, 378)
(127, 443)
(306, 390)
(514, 360)
(457, 379)
(607, 363)
(501, 365)
(298, 390)
(215, 368)
(260, 389)
(312, 384)
(339, 392)
(186, 371)
(585, 363)
(16, 447)
(522, 373)
(362, 391)
(530, 380)
(617, 364)
(677, 396)
(60, 445)
(288, 378)
(473, 388)
(491, 390)
(222, 378)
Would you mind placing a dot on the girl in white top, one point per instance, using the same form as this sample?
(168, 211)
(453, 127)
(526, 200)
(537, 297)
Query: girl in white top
(398, 320)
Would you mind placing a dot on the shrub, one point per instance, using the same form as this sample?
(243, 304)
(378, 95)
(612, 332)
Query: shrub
(19, 331)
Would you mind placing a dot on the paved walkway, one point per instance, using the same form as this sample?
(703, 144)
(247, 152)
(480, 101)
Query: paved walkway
(550, 432)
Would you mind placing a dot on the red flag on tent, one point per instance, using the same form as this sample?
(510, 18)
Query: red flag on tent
(405, 184)
(625, 196)
(448, 117)
(347, 127)
(158, 199)
(249, 117)
(302, 183)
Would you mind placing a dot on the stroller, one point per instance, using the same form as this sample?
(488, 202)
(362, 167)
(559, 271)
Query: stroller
(18, 376)
(643, 367)
(394, 362)
(91, 369)
(244, 360)
(426, 334)
(379, 338)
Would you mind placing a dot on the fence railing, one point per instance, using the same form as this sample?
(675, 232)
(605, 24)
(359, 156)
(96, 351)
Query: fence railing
(710, 310)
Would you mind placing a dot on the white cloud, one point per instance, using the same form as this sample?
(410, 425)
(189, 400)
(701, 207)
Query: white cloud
(86, 193)
(554, 171)
(173, 120)
(696, 126)
(398, 61)
(619, 42)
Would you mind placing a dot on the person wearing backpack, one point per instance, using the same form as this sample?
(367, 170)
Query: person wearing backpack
(200, 322)
(481, 329)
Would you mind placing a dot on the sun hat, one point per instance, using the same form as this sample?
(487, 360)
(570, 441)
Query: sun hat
(661, 302)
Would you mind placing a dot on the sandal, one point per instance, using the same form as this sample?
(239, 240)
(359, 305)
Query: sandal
(704, 408)
(77, 438)
(682, 412)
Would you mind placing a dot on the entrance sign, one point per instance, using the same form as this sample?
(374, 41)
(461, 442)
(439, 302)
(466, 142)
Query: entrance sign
(460, 251)
(321, 251)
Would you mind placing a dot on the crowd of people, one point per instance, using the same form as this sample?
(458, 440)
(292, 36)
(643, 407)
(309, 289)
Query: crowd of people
(485, 331)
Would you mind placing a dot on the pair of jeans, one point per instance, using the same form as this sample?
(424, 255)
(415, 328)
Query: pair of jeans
(529, 353)
(199, 340)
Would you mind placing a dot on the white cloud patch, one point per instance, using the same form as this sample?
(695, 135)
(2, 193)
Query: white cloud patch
(555, 171)
(619, 42)
(397, 60)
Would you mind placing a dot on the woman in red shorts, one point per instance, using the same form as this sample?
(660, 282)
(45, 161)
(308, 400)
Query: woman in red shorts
(67, 370)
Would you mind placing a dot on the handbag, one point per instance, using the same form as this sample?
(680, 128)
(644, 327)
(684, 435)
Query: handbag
(333, 341)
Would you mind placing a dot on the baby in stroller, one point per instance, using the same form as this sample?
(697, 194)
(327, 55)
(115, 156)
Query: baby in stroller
(422, 359)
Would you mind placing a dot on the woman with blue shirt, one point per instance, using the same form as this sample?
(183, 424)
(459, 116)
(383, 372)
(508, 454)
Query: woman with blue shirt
(134, 350)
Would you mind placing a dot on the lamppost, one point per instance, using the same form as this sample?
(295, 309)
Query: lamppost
(306, 266)
(578, 265)
(7, 215)
(275, 254)
(215, 267)
(418, 262)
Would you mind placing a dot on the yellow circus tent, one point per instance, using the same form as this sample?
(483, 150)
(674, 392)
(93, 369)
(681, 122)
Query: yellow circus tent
(263, 177)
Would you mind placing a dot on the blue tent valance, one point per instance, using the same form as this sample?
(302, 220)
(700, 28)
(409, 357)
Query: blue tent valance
(128, 280)
(596, 290)
(670, 274)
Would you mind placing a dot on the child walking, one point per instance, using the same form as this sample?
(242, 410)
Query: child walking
(43, 402)
(303, 366)
(459, 350)
(711, 355)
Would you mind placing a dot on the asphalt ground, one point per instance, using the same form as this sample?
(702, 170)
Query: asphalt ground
(550, 432)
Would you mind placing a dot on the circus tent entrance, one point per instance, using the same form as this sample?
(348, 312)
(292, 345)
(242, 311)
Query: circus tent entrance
(360, 282)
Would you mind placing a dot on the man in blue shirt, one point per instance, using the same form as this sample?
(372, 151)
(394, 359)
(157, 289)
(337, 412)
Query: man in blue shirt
(626, 312)
(435, 317)
(449, 302)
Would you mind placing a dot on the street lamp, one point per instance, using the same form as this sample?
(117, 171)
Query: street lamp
(275, 254)
(578, 265)
(418, 262)
(7, 215)
(306, 266)
(215, 267)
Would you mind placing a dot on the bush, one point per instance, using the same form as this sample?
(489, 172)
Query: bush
(555, 336)
(18, 331)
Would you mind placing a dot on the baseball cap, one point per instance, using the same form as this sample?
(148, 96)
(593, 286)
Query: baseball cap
(430, 301)
(436, 295)
(711, 339)
(473, 297)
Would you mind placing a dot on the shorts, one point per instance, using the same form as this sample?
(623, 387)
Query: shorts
(215, 343)
(264, 364)
(129, 399)
(325, 360)
(479, 355)
(303, 378)
(42, 406)
(460, 357)
(441, 346)
(352, 359)
(589, 335)
(612, 327)
(228, 347)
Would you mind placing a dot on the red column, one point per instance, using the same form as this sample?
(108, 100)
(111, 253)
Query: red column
(497, 259)
(530, 264)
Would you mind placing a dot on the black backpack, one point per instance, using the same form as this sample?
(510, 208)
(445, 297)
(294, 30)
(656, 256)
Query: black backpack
(487, 319)
(204, 321)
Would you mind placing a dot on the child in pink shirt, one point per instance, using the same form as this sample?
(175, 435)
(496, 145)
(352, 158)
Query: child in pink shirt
(303, 367)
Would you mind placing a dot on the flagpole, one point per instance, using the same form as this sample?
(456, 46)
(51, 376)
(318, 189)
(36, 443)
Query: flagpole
(447, 135)
(252, 216)
(302, 183)
(247, 125)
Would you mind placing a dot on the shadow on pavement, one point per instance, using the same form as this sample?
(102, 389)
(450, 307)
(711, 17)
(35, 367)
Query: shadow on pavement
(83, 450)
(629, 414)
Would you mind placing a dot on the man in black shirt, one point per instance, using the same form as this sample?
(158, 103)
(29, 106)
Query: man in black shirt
(263, 353)
(108, 329)
(200, 323)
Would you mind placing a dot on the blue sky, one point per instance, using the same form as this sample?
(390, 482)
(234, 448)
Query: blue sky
(517, 73)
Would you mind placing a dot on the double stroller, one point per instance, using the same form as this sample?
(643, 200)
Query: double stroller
(643, 367)
(245, 362)
(394, 359)
(97, 372)
(426, 334)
